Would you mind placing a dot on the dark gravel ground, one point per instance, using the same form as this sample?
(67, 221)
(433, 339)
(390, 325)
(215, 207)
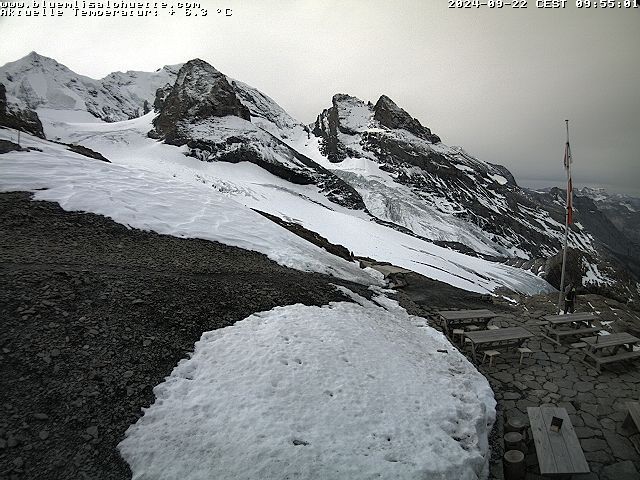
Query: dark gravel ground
(93, 315)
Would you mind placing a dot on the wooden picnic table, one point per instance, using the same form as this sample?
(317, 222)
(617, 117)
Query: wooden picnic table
(559, 453)
(512, 336)
(603, 349)
(571, 317)
(570, 325)
(462, 318)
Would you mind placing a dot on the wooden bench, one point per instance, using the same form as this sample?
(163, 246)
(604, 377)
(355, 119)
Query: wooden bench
(523, 351)
(615, 358)
(559, 453)
(633, 417)
(490, 354)
(574, 332)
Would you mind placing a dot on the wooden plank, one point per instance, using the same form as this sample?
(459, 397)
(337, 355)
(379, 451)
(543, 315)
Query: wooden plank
(619, 357)
(466, 314)
(578, 460)
(573, 331)
(571, 317)
(559, 447)
(558, 452)
(500, 335)
(613, 340)
(546, 458)
(569, 455)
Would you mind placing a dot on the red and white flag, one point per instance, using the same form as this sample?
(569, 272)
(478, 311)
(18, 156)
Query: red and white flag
(567, 166)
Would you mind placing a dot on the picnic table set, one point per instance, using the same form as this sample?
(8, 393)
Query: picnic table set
(557, 446)
(457, 320)
(570, 325)
(473, 328)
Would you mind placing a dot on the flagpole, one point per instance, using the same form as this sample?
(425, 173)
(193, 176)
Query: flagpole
(566, 218)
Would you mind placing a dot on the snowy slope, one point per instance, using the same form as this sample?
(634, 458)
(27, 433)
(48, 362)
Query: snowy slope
(212, 118)
(36, 81)
(126, 143)
(156, 201)
(300, 392)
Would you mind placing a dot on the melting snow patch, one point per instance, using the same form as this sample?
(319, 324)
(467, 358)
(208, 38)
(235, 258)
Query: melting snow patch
(464, 168)
(497, 178)
(509, 299)
(341, 391)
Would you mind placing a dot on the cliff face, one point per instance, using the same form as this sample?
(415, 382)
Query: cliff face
(200, 92)
(20, 119)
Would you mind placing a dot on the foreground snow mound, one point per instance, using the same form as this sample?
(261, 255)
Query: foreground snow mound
(341, 391)
(154, 201)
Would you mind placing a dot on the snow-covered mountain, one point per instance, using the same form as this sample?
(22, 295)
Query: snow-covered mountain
(213, 118)
(622, 210)
(38, 82)
(366, 176)
(436, 191)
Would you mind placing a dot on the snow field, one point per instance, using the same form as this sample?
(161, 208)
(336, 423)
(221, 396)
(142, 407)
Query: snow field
(126, 143)
(154, 201)
(348, 390)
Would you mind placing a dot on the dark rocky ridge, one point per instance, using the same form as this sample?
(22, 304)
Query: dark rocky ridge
(392, 116)
(6, 146)
(20, 119)
(200, 92)
(87, 152)
(331, 147)
(311, 236)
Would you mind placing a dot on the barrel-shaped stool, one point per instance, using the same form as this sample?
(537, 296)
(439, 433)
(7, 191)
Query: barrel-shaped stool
(514, 441)
(514, 465)
(516, 424)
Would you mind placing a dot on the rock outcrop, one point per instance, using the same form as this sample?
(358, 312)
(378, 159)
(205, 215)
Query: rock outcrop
(199, 93)
(394, 117)
(219, 119)
(20, 119)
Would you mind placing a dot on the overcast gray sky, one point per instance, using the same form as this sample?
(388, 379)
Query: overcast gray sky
(498, 82)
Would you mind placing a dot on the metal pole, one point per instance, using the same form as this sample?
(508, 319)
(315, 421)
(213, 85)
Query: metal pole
(566, 227)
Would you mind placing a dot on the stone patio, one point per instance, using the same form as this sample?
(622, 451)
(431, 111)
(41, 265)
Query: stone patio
(555, 375)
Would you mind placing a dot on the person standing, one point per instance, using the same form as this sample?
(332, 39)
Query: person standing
(570, 299)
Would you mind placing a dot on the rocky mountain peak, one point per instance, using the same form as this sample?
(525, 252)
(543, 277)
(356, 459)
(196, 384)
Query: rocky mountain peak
(200, 92)
(392, 116)
(35, 57)
(36, 62)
